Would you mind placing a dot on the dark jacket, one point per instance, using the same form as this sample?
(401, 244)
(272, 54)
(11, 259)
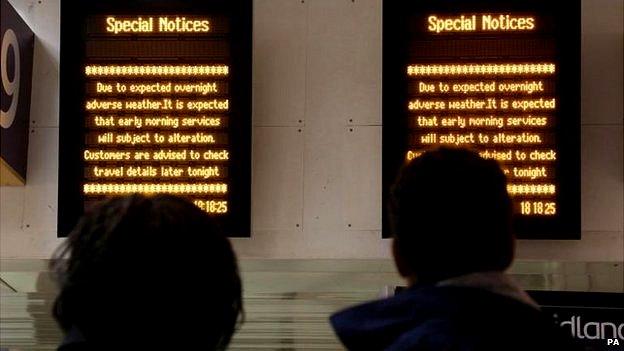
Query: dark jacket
(73, 341)
(450, 319)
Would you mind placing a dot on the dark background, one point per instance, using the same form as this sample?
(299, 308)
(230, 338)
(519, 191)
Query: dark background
(589, 306)
(74, 37)
(405, 21)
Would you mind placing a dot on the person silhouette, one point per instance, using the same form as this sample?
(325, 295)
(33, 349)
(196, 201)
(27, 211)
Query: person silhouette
(450, 214)
(147, 273)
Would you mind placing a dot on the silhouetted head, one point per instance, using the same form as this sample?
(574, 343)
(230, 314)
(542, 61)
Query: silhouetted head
(148, 272)
(450, 215)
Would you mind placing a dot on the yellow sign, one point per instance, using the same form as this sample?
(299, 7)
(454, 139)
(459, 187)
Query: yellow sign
(482, 22)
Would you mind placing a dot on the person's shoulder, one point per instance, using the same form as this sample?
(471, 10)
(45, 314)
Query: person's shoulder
(484, 332)
(492, 321)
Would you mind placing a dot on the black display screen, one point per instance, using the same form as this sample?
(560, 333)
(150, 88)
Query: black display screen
(155, 97)
(499, 77)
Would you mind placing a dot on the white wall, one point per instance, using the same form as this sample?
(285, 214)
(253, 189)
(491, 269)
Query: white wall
(317, 136)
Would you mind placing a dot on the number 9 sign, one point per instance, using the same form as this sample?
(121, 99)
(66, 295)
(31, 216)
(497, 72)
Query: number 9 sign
(11, 87)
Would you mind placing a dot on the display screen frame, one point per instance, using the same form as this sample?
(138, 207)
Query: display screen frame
(74, 14)
(567, 32)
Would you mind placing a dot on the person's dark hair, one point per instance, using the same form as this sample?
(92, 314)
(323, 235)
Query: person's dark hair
(150, 271)
(450, 214)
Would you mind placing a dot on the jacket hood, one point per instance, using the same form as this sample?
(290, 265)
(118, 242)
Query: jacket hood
(377, 325)
(433, 318)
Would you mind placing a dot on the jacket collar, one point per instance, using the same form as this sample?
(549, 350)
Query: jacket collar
(493, 281)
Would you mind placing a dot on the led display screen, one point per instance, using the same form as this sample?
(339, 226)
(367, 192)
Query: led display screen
(155, 97)
(499, 77)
